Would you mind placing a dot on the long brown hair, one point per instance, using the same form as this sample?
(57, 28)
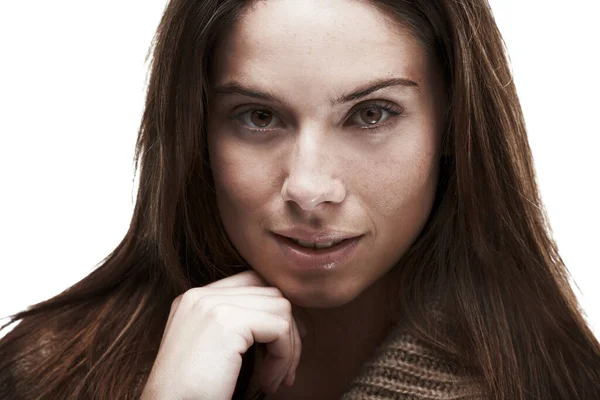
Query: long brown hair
(486, 249)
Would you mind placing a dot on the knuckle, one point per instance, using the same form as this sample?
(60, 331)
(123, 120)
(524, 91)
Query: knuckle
(286, 326)
(219, 313)
(285, 305)
(192, 297)
(176, 302)
(188, 298)
(205, 304)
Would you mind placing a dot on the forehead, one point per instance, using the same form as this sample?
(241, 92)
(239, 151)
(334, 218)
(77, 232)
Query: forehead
(315, 43)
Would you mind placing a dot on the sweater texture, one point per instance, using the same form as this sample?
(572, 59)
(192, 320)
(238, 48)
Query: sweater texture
(404, 368)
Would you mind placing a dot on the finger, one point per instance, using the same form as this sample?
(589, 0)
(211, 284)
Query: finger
(238, 291)
(246, 278)
(278, 306)
(198, 293)
(280, 352)
(196, 296)
(288, 372)
(290, 376)
(263, 327)
(297, 353)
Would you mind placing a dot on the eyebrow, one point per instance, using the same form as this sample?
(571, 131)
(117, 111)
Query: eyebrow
(365, 90)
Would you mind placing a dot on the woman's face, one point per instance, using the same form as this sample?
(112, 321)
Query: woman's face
(290, 147)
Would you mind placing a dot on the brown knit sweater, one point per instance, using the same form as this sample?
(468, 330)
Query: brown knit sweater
(403, 368)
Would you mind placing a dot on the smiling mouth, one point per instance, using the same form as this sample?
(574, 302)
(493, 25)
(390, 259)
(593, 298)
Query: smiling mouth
(317, 247)
(317, 260)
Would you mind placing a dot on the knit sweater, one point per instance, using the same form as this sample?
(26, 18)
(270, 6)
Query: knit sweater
(404, 368)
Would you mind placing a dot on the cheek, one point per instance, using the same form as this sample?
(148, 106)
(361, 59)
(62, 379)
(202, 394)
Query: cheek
(242, 180)
(398, 189)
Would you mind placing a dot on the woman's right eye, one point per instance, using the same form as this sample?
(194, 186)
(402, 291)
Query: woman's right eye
(255, 119)
(259, 118)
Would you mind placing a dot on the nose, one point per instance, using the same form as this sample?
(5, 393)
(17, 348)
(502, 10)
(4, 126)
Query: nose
(311, 181)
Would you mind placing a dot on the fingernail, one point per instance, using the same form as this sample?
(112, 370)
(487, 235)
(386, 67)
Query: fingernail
(289, 381)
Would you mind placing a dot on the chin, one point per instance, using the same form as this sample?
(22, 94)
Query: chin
(322, 297)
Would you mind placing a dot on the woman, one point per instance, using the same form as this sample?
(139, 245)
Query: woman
(337, 200)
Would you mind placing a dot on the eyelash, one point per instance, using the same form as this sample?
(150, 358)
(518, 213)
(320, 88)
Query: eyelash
(390, 108)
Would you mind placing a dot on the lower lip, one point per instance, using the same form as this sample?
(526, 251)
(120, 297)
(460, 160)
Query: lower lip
(316, 259)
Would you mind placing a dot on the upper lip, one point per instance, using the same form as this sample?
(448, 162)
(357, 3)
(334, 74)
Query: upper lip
(322, 236)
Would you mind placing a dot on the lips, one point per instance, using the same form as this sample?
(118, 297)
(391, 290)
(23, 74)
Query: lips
(301, 258)
(316, 250)
(322, 235)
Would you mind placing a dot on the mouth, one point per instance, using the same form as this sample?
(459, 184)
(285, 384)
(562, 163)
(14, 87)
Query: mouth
(309, 257)
(317, 248)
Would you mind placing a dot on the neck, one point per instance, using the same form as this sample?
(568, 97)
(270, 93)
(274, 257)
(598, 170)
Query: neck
(351, 332)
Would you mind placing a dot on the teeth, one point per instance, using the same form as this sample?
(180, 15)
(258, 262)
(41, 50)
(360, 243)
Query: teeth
(322, 245)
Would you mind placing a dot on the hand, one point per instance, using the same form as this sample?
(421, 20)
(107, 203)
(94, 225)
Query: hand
(209, 329)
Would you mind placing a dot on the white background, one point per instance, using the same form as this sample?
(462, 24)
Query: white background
(72, 80)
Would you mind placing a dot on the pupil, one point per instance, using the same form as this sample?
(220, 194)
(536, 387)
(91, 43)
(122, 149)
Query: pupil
(260, 118)
(372, 115)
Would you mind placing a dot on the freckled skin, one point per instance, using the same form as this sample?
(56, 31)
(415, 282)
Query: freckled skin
(316, 167)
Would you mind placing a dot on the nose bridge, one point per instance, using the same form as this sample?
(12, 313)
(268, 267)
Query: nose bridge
(309, 155)
(312, 175)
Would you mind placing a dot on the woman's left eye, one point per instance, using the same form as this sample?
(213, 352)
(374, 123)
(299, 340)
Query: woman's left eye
(375, 114)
